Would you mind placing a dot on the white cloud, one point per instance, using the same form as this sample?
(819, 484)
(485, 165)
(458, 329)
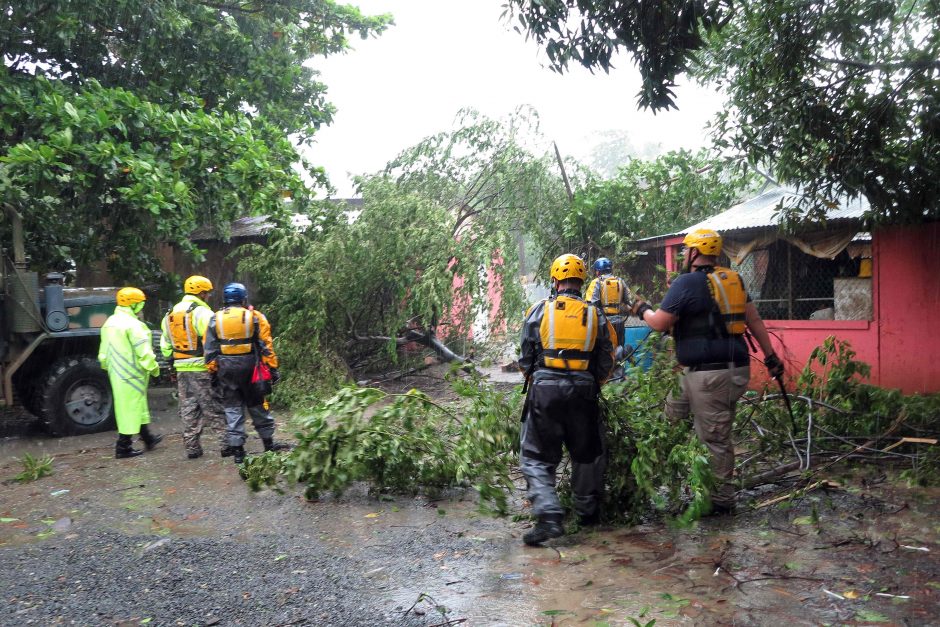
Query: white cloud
(444, 55)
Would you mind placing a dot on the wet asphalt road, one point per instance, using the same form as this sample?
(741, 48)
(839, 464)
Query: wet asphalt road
(162, 540)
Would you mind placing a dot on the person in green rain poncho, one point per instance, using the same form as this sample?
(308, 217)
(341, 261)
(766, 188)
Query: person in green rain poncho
(126, 353)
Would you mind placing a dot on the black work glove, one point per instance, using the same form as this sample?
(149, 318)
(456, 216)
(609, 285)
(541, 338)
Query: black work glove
(774, 365)
(275, 376)
(639, 308)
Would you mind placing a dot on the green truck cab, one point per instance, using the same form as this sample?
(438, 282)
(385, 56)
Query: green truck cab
(48, 353)
(49, 340)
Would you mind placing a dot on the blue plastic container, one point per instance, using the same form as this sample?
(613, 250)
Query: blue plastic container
(634, 337)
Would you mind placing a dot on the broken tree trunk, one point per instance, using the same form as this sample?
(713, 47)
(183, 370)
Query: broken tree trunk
(421, 337)
(429, 340)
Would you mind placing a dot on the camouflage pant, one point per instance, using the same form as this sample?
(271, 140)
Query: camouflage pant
(199, 409)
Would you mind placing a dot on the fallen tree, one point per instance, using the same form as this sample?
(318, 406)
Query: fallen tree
(412, 442)
(432, 247)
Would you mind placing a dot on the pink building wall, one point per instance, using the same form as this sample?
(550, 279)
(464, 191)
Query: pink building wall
(458, 306)
(902, 341)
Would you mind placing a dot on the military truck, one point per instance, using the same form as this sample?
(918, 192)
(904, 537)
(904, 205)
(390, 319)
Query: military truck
(49, 341)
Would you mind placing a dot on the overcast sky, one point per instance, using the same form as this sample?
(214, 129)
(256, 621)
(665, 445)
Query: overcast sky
(444, 55)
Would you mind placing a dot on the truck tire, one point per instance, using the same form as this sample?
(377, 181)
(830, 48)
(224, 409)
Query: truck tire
(75, 398)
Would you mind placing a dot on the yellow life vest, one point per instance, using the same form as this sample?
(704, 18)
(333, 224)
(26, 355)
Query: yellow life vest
(568, 332)
(727, 290)
(186, 340)
(235, 328)
(611, 294)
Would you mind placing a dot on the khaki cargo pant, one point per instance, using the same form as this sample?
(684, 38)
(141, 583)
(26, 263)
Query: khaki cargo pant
(199, 409)
(711, 396)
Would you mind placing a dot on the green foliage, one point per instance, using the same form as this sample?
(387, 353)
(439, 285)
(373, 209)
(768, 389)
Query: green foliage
(838, 96)
(405, 442)
(125, 124)
(434, 233)
(99, 174)
(660, 36)
(262, 471)
(651, 458)
(224, 58)
(647, 198)
(34, 468)
(925, 469)
(834, 376)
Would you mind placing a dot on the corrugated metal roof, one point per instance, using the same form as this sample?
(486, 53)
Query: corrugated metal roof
(256, 226)
(763, 211)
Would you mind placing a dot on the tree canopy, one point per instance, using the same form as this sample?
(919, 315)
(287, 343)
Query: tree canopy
(436, 229)
(837, 96)
(645, 198)
(128, 123)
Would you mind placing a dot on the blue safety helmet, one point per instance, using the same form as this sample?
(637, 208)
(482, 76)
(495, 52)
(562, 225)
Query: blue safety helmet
(603, 265)
(234, 293)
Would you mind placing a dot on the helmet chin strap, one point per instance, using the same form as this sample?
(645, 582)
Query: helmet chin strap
(687, 266)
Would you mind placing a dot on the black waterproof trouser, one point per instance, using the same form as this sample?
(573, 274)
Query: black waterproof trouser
(563, 411)
(234, 380)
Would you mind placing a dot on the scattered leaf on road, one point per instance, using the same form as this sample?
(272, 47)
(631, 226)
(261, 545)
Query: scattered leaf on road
(869, 616)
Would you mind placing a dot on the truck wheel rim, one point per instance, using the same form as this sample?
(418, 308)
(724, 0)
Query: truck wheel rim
(87, 404)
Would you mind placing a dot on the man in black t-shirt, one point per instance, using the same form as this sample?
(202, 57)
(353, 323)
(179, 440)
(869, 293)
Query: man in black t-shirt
(710, 345)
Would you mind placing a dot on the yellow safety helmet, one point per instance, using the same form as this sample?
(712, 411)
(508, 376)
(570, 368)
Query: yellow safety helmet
(568, 266)
(128, 296)
(197, 285)
(706, 241)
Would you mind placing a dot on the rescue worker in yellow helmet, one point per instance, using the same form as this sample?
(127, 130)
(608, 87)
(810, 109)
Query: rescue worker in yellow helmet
(184, 328)
(126, 353)
(611, 294)
(708, 310)
(238, 336)
(566, 355)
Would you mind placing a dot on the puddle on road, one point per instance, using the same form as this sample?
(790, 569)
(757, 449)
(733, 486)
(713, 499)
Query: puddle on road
(758, 569)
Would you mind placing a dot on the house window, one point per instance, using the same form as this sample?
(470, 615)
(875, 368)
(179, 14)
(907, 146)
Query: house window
(787, 284)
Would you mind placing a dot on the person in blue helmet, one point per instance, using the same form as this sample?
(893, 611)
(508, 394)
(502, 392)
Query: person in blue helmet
(611, 294)
(236, 338)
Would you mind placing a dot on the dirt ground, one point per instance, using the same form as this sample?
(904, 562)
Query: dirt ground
(162, 540)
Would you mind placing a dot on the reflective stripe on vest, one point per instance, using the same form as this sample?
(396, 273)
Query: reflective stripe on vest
(235, 332)
(728, 292)
(183, 334)
(568, 332)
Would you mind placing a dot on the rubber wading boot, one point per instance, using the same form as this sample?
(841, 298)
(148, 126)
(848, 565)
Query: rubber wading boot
(546, 528)
(238, 452)
(150, 439)
(227, 451)
(271, 445)
(125, 448)
(590, 520)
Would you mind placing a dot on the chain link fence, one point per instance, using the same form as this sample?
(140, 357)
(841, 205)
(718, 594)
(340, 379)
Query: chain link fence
(787, 284)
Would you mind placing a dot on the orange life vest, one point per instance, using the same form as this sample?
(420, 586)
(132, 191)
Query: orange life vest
(185, 337)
